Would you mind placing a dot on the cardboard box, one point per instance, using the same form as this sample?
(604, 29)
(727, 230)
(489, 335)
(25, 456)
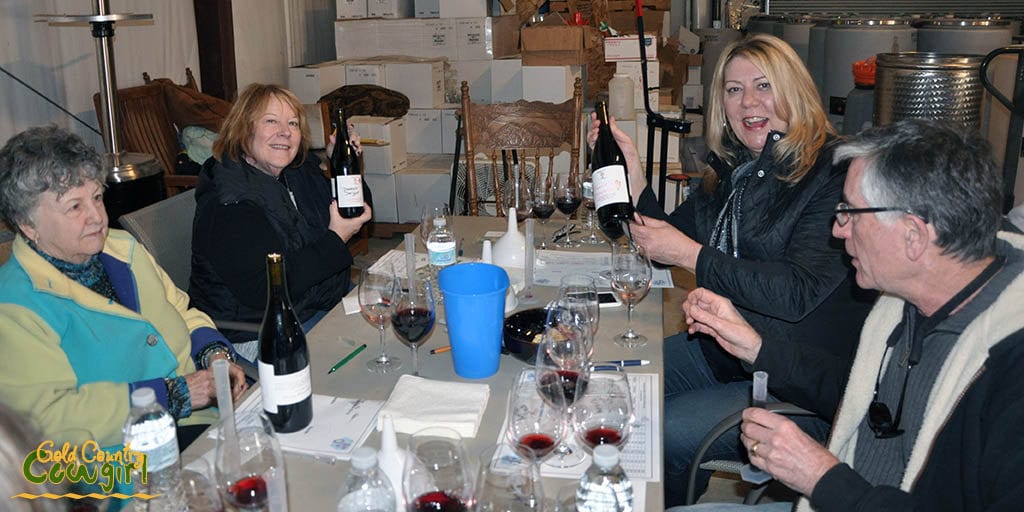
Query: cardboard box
(397, 9)
(693, 75)
(487, 37)
(506, 80)
(463, 8)
(553, 84)
(477, 74)
(627, 48)
(449, 123)
(388, 156)
(417, 187)
(316, 126)
(693, 96)
(361, 39)
(653, 74)
(437, 39)
(354, 39)
(311, 82)
(351, 9)
(427, 8)
(423, 130)
(421, 82)
(365, 73)
(556, 45)
(385, 201)
(657, 22)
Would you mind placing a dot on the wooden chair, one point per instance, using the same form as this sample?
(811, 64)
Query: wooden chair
(533, 129)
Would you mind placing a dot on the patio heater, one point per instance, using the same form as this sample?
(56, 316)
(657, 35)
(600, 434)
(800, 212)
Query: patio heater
(135, 179)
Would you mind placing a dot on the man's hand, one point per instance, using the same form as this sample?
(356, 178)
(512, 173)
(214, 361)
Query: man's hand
(778, 446)
(347, 228)
(663, 243)
(714, 315)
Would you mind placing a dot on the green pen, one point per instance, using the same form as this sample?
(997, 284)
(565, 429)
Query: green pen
(347, 359)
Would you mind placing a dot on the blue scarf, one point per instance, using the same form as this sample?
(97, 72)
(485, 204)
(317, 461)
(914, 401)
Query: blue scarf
(90, 274)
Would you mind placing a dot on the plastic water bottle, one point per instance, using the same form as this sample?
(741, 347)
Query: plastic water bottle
(366, 489)
(151, 430)
(440, 246)
(605, 486)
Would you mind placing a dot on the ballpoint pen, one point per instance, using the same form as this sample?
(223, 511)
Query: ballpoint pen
(347, 358)
(626, 362)
(440, 350)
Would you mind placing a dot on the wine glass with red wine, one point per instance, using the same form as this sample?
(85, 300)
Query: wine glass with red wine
(568, 198)
(562, 367)
(413, 317)
(256, 481)
(376, 298)
(438, 477)
(605, 414)
(535, 424)
(543, 206)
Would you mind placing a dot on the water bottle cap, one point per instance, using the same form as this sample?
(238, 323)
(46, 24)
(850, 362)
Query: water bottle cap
(364, 457)
(143, 397)
(439, 221)
(606, 456)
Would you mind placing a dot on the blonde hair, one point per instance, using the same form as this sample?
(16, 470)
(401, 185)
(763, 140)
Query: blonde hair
(796, 102)
(239, 125)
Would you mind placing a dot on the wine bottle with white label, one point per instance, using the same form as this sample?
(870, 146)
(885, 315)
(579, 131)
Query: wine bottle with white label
(284, 357)
(346, 180)
(610, 180)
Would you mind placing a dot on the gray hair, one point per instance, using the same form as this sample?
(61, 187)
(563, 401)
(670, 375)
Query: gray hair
(41, 159)
(942, 173)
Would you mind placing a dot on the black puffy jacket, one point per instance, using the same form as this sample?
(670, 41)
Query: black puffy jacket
(793, 279)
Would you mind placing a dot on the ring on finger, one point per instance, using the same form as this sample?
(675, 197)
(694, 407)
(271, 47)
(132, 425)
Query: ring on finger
(754, 447)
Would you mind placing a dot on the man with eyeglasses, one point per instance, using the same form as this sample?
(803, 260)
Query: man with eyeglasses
(932, 416)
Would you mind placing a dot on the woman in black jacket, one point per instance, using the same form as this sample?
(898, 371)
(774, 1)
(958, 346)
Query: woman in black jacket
(758, 232)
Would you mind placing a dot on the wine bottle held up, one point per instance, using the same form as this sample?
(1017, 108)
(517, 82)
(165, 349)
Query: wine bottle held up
(610, 180)
(284, 357)
(346, 180)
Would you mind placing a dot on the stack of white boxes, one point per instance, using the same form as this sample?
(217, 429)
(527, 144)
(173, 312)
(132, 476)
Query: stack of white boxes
(384, 155)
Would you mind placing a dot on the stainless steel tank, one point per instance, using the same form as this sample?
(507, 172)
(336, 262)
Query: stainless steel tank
(928, 86)
(797, 32)
(816, 55)
(850, 40)
(960, 35)
(766, 24)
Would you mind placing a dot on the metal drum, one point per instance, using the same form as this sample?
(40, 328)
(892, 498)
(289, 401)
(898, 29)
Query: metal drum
(816, 55)
(851, 40)
(964, 36)
(797, 32)
(928, 86)
(766, 24)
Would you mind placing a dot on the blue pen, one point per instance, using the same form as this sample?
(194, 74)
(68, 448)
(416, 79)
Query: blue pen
(627, 362)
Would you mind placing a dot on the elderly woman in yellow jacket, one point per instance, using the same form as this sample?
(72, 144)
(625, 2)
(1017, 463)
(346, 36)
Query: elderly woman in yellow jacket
(86, 314)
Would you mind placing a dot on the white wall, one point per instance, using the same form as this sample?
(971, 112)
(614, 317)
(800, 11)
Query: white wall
(60, 62)
(260, 42)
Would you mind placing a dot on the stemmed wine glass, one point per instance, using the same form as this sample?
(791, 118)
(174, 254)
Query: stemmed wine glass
(543, 205)
(376, 298)
(255, 481)
(568, 198)
(581, 289)
(631, 280)
(535, 424)
(563, 366)
(508, 482)
(437, 475)
(591, 207)
(427, 217)
(517, 194)
(605, 414)
(413, 317)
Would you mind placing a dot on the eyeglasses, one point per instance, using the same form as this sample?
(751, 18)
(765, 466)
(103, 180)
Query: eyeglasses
(879, 417)
(844, 213)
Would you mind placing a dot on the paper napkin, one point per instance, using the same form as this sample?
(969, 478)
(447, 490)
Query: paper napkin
(417, 403)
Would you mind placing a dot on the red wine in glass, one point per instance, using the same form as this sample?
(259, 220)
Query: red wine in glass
(568, 205)
(438, 501)
(248, 494)
(602, 435)
(413, 324)
(543, 211)
(566, 383)
(540, 443)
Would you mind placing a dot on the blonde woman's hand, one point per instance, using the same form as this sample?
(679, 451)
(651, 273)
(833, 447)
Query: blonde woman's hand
(347, 228)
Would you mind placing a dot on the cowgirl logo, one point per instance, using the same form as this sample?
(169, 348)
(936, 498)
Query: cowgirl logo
(84, 464)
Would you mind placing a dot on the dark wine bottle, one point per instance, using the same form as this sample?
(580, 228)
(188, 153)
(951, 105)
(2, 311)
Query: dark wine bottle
(346, 180)
(284, 357)
(610, 180)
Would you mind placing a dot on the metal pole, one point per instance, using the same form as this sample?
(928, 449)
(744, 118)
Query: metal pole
(103, 32)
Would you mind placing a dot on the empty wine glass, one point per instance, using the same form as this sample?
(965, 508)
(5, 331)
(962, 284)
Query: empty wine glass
(582, 288)
(376, 297)
(437, 475)
(590, 206)
(605, 413)
(508, 482)
(535, 424)
(427, 217)
(631, 280)
(543, 206)
(197, 480)
(568, 198)
(413, 317)
(256, 480)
